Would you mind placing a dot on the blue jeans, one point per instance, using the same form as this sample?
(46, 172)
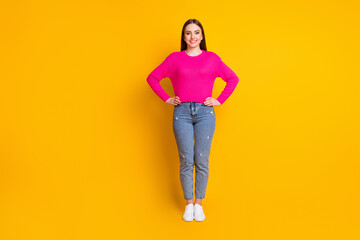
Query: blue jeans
(194, 120)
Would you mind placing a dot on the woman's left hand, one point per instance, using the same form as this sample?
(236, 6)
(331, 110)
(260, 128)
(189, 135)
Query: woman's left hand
(211, 102)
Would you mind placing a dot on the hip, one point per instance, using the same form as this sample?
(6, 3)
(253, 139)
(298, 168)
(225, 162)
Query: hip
(193, 109)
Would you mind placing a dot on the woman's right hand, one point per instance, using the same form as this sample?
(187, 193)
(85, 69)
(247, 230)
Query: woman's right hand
(173, 100)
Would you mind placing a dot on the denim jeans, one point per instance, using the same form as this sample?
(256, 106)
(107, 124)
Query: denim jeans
(194, 120)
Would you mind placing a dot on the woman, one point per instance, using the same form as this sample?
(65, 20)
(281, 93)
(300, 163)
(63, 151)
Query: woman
(192, 72)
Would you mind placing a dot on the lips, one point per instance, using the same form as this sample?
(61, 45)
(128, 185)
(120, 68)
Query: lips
(193, 41)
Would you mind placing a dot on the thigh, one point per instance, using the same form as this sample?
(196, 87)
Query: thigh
(183, 130)
(204, 129)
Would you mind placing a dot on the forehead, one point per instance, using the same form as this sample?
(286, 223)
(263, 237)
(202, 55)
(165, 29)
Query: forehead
(192, 27)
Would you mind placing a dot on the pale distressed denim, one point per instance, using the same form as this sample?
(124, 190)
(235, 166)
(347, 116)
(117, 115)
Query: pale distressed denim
(194, 126)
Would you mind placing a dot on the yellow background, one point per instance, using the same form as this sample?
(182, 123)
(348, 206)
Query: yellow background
(87, 148)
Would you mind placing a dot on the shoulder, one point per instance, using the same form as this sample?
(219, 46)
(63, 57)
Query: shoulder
(213, 56)
(173, 55)
(210, 53)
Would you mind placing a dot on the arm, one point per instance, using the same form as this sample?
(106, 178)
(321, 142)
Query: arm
(229, 77)
(154, 78)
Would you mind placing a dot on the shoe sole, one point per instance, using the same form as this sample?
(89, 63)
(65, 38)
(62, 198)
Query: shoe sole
(188, 220)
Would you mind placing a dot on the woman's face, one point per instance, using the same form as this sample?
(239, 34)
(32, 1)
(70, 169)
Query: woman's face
(192, 35)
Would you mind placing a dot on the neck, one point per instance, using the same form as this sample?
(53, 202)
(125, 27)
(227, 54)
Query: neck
(193, 51)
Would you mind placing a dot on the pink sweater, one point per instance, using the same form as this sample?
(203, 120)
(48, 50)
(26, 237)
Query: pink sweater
(193, 77)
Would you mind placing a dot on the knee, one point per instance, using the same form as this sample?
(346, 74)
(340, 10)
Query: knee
(202, 159)
(186, 159)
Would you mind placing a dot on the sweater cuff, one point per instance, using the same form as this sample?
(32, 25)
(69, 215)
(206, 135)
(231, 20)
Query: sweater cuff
(165, 98)
(220, 100)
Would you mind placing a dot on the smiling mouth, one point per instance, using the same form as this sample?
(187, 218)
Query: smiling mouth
(193, 41)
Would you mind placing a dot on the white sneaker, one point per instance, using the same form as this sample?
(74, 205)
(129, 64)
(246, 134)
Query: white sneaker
(189, 212)
(198, 213)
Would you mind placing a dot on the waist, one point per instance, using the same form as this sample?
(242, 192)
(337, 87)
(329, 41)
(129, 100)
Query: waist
(192, 105)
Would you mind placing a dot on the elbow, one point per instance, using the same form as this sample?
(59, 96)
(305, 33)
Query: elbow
(237, 80)
(149, 79)
(152, 78)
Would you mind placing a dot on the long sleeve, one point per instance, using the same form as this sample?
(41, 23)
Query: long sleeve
(154, 78)
(229, 77)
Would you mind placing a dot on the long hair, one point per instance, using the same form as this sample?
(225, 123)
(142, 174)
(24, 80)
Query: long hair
(202, 43)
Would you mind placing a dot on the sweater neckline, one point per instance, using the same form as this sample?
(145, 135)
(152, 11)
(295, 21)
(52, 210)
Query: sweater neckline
(202, 53)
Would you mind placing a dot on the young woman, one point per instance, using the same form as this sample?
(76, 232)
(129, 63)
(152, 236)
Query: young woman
(192, 72)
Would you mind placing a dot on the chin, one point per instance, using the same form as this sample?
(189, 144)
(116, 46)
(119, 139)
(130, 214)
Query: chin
(193, 46)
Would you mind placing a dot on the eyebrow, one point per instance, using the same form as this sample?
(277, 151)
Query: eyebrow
(195, 31)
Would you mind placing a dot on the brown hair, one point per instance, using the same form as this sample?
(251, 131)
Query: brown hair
(202, 43)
